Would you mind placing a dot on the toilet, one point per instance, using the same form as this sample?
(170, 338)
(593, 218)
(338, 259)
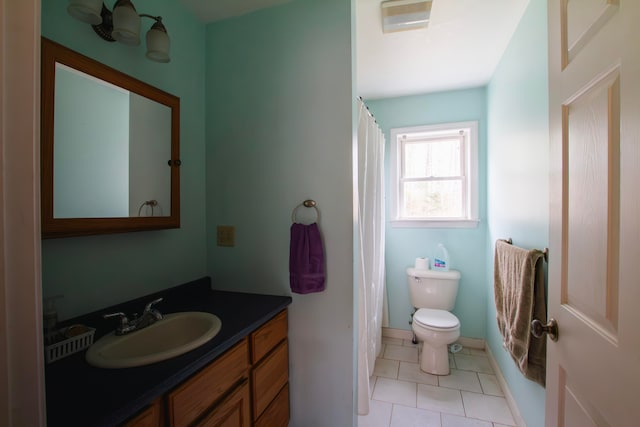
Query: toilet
(433, 294)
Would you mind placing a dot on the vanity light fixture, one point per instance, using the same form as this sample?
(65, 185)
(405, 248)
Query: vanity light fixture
(123, 25)
(401, 15)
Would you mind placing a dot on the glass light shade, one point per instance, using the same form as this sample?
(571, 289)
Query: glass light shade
(86, 11)
(126, 23)
(158, 45)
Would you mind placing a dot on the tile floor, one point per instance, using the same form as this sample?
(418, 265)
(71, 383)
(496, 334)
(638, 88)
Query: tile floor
(404, 396)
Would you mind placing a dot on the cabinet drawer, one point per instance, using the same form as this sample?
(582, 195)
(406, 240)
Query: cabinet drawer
(192, 398)
(233, 411)
(277, 413)
(268, 378)
(267, 336)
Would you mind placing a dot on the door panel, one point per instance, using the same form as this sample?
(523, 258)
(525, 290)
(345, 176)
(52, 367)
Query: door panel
(591, 141)
(574, 413)
(581, 20)
(593, 370)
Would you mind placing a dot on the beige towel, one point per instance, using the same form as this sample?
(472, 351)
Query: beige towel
(520, 298)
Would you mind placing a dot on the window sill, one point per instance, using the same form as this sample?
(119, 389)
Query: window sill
(431, 223)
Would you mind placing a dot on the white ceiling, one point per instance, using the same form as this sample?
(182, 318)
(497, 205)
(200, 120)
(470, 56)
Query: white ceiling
(460, 48)
(216, 10)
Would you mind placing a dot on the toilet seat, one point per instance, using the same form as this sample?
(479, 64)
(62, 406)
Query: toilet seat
(437, 320)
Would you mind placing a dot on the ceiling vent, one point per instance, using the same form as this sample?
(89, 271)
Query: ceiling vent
(402, 15)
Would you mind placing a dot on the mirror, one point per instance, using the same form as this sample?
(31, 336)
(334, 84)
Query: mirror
(110, 149)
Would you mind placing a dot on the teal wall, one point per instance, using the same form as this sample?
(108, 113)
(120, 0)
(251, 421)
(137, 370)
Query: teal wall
(94, 272)
(466, 246)
(279, 131)
(518, 200)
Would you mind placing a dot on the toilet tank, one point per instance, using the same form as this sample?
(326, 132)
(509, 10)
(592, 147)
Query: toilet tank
(433, 289)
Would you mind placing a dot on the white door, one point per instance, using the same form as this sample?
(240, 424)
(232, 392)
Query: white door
(593, 371)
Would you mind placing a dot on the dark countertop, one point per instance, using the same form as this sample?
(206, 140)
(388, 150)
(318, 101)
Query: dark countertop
(81, 395)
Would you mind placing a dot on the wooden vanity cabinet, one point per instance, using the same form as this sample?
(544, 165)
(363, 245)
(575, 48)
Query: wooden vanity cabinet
(247, 386)
(270, 373)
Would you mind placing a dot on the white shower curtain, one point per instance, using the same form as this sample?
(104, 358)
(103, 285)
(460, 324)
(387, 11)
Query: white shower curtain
(371, 287)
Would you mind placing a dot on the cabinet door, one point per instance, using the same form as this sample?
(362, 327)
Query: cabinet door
(149, 417)
(233, 411)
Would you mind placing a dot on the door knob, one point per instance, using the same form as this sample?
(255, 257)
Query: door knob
(538, 329)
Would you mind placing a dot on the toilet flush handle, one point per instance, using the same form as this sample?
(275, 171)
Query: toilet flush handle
(538, 329)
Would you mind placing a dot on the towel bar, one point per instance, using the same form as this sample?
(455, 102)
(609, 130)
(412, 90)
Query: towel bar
(545, 251)
(307, 204)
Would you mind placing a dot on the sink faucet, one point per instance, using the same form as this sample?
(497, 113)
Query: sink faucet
(149, 316)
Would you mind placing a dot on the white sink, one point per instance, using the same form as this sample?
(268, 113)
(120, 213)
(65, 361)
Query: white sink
(175, 334)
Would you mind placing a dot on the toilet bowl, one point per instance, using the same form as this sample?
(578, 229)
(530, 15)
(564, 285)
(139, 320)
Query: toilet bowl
(436, 329)
(433, 295)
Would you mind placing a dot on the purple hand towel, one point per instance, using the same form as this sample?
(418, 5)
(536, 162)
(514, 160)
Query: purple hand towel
(306, 259)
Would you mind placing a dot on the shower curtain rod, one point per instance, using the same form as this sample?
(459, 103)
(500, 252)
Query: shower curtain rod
(368, 111)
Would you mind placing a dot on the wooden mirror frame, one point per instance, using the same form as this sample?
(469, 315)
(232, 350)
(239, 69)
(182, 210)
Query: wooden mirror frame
(53, 53)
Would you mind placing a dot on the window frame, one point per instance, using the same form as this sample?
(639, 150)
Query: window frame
(469, 157)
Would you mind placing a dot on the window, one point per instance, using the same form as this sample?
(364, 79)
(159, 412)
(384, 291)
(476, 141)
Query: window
(434, 173)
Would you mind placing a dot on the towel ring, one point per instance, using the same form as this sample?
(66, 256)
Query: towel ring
(307, 204)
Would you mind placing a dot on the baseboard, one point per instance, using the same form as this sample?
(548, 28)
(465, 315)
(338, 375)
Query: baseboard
(403, 334)
(505, 389)
(475, 343)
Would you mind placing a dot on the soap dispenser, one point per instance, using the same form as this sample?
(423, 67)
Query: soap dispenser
(50, 318)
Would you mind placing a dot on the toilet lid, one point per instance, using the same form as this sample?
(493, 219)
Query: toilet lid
(437, 319)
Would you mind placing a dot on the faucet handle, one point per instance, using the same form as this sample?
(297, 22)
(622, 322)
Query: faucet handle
(122, 318)
(147, 308)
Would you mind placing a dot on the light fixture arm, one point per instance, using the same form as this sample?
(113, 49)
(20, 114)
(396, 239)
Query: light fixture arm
(156, 18)
(105, 28)
(158, 25)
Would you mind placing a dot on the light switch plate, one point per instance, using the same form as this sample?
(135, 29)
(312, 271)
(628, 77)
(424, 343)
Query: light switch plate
(226, 235)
